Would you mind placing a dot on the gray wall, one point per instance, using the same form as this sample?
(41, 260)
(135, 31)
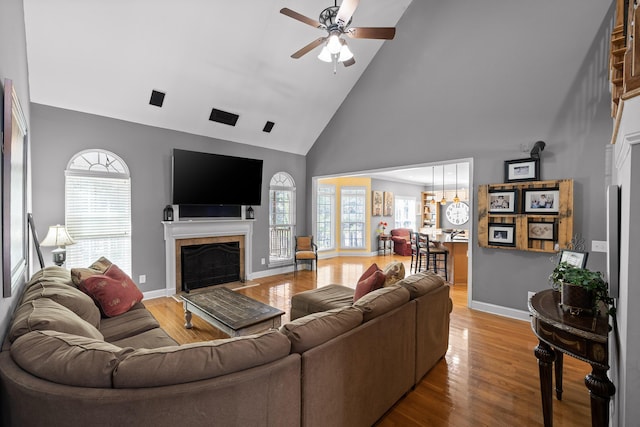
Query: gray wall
(13, 65)
(58, 134)
(476, 95)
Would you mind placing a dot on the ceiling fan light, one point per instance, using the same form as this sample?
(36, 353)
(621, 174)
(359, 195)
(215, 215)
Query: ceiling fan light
(345, 53)
(325, 55)
(334, 45)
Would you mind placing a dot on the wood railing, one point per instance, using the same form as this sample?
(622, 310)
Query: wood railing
(624, 57)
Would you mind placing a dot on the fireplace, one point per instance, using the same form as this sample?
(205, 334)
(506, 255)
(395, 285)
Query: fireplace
(208, 261)
(201, 233)
(209, 264)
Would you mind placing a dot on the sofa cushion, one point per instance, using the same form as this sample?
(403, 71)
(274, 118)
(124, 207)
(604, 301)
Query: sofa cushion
(133, 322)
(394, 272)
(78, 275)
(381, 301)
(153, 338)
(45, 314)
(320, 299)
(421, 283)
(198, 361)
(68, 296)
(114, 291)
(52, 273)
(317, 328)
(67, 359)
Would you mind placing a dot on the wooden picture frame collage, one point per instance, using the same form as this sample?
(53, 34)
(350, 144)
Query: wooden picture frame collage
(532, 215)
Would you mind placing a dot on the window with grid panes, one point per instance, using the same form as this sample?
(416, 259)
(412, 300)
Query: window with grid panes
(352, 217)
(282, 218)
(405, 212)
(325, 215)
(98, 209)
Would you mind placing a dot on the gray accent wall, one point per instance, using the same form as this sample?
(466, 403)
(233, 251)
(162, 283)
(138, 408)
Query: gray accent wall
(426, 100)
(13, 65)
(59, 134)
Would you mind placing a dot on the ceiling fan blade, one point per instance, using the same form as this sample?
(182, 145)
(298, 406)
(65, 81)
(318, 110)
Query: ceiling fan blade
(346, 11)
(386, 33)
(299, 17)
(308, 47)
(350, 62)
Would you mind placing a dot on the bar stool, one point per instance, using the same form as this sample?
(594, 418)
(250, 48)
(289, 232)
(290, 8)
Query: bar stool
(436, 256)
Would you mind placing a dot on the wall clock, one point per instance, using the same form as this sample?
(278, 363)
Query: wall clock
(458, 213)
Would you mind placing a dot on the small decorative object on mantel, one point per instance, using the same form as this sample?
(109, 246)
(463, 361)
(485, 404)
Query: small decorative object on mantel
(168, 213)
(250, 213)
(522, 170)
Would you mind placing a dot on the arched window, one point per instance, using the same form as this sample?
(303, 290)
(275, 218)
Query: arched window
(282, 218)
(98, 209)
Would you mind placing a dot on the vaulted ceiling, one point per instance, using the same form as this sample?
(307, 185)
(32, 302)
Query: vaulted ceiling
(106, 57)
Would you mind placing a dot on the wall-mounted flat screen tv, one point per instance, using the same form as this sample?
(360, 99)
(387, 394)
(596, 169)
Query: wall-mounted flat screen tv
(215, 179)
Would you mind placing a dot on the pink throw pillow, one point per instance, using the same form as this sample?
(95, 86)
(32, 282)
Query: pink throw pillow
(371, 283)
(114, 291)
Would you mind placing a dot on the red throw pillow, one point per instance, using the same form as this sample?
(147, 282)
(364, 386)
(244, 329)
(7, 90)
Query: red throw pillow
(114, 291)
(371, 283)
(368, 272)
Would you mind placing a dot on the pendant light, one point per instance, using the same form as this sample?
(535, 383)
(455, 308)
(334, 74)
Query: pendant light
(456, 199)
(433, 194)
(444, 199)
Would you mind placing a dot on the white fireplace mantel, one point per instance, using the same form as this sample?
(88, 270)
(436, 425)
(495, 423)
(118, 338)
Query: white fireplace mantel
(176, 230)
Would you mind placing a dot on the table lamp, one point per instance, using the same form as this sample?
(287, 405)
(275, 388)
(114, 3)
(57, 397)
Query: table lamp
(58, 236)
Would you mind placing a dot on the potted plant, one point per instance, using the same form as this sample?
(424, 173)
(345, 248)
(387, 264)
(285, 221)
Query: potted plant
(582, 289)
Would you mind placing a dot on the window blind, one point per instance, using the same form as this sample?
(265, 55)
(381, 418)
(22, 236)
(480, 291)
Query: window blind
(98, 218)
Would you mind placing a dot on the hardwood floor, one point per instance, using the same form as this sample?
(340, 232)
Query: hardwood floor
(489, 376)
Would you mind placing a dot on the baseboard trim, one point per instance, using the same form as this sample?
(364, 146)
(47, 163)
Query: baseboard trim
(156, 294)
(500, 311)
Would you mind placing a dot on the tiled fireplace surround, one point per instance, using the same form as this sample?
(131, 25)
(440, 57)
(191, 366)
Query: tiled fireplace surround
(176, 233)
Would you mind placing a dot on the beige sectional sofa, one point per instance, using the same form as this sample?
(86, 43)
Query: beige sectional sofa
(342, 367)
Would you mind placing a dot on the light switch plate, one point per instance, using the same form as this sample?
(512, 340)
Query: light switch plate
(598, 246)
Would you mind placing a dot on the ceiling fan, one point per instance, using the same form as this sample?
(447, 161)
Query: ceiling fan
(335, 20)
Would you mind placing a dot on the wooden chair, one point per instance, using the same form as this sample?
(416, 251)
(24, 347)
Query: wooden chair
(306, 251)
(435, 256)
(415, 251)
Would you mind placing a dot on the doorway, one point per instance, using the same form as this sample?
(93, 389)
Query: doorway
(440, 182)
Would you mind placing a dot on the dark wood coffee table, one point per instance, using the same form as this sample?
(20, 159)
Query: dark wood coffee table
(233, 313)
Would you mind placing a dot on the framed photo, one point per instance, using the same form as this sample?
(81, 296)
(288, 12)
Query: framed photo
(14, 191)
(522, 170)
(575, 258)
(541, 201)
(542, 230)
(388, 203)
(502, 234)
(503, 201)
(376, 203)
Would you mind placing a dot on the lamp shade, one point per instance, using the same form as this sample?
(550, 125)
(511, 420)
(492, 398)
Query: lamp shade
(325, 55)
(57, 236)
